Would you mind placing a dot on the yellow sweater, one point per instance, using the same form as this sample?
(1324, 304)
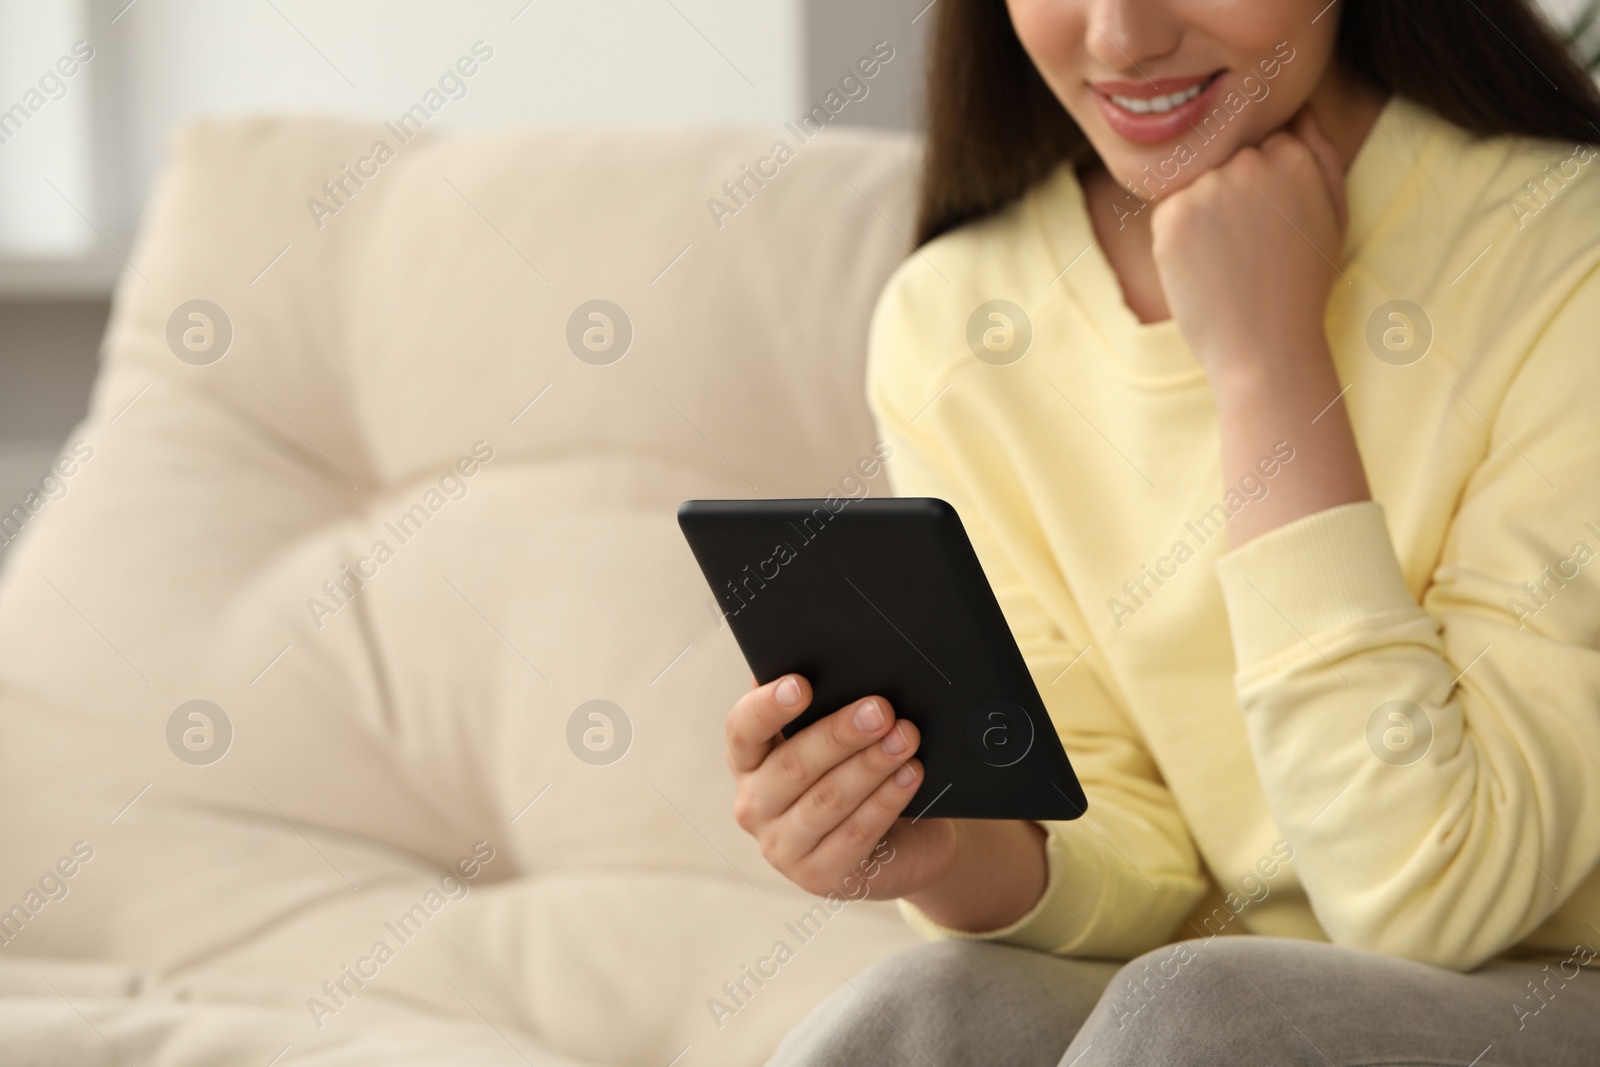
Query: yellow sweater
(1377, 725)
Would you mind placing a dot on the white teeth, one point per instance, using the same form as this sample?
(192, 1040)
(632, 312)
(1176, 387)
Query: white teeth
(1159, 104)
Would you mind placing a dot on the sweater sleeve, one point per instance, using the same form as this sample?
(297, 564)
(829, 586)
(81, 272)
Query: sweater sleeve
(1123, 876)
(1435, 757)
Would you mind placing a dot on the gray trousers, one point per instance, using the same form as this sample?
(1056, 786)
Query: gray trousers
(1239, 1000)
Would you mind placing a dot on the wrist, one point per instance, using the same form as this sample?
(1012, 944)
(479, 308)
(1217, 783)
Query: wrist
(1289, 400)
(1287, 370)
(999, 874)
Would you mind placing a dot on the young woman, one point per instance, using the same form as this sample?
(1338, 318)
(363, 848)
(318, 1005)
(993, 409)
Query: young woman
(1255, 342)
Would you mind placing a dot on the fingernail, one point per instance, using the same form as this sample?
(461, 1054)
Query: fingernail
(788, 692)
(894, 742)
(868, 716)
(905, 775)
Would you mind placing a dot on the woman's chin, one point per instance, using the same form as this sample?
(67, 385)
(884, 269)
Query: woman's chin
(1145, 179)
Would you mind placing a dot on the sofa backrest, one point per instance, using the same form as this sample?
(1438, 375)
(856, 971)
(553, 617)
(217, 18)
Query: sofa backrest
(433, 302)
(316, 351)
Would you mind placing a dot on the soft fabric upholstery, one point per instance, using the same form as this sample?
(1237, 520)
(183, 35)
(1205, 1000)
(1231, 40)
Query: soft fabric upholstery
(370, 753)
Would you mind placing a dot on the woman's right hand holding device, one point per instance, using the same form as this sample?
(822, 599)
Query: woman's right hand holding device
(821, 802)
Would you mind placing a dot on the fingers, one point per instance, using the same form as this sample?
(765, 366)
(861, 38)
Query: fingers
(820, 800)
(853, 804)
(756, 718)
(868, 823)
(801, 762)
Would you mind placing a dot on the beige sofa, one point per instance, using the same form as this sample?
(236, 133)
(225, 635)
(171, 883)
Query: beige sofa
(409, 757)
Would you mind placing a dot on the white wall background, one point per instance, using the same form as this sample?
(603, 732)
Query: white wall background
(72, 182)
(159, 63)
(52, 143)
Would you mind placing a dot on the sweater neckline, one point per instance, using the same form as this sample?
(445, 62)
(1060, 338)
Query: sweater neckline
(1155, 353)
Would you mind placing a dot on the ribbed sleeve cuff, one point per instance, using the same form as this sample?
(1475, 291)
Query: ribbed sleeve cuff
(1063, 915)
(1326, 573)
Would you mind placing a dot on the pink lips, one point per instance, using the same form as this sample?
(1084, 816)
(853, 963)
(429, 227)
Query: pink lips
(1156, 127)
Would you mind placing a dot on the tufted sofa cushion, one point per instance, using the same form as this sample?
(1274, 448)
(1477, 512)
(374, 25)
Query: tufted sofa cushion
(397, 373)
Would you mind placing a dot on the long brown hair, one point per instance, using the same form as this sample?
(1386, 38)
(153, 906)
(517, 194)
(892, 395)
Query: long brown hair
(994, 128)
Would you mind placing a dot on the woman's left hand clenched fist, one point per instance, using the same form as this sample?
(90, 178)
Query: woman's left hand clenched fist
(1247, 253)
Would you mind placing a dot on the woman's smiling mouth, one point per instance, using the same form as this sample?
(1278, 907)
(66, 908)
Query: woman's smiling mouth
(1153, 111)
